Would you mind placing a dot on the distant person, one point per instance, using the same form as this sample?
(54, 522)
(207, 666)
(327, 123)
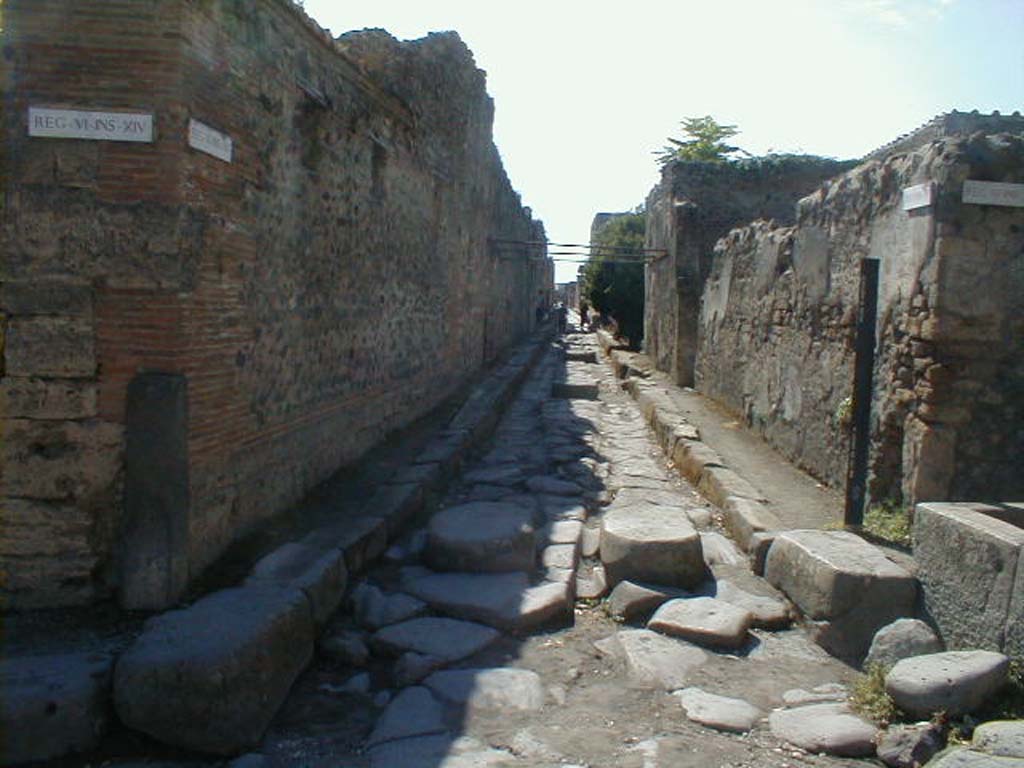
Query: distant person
(584, 315)
(561, 312)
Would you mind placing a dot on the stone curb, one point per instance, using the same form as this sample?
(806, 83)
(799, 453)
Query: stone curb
(743, 510)
(312, 573)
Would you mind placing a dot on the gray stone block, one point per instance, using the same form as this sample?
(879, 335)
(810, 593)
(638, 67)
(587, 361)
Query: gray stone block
(481, 536)
(211, 677)
(52, 705)
(321, 575)
(840, 581)
(651, 543)
(954, 682)
(973, 597)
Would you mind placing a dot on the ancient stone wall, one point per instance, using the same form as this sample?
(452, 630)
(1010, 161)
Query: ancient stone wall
(778, 319)
(328, 285)
(691, 208)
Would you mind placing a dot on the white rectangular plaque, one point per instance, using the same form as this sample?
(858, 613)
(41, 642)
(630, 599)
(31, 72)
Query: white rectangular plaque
(97, 126)
(994, 193)
(918, 196)
(206, 139)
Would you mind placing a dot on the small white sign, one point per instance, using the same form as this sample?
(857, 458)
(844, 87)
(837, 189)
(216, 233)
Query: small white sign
(918, 196)
(206, 139)
(97, 126)
(994, 193)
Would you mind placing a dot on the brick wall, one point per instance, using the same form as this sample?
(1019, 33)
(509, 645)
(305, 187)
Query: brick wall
(329, 285)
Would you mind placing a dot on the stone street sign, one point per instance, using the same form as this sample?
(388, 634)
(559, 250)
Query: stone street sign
(97, 126)
(918, 196)
(994, 193)
(206, 139)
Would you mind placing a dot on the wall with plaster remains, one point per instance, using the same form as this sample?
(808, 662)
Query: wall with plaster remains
(777, 325)
(331, 283)
(691, 208)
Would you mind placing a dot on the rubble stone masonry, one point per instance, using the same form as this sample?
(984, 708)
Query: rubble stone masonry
(329, 284)
(778, 324)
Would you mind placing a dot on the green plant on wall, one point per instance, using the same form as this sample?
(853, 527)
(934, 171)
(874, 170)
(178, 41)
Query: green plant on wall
(613, 277)
(703, 141)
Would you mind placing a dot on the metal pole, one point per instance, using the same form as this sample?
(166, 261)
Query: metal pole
(863, 385)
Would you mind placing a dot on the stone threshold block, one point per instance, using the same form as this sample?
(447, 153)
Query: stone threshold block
(211, 677)
(845, 586)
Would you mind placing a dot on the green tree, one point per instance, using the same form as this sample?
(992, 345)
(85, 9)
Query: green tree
(703, 140)
(613, 277)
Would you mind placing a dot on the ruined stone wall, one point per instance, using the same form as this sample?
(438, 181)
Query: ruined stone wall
(691, 208)
(331, 283)
(779, 313)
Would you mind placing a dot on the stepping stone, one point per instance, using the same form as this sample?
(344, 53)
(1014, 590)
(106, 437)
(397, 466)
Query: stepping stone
(902, 639)
(553, 486)
(703, 620)
(630, 601)
(766, 612)
(481, 536)
(501, 688)
(211, 677)
(829, 728)
(53, 705)
(718, 712)
(656, 660)
(447, 639)
(374, 609)
(955, 682)
(651, 543)
(502, 600)
(413, 712)
(842, 582)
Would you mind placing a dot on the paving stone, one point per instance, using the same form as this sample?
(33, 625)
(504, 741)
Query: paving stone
(766, 612)
(902, 639)
(718, 550)
(448, 639)
(954, 682)
(481, 537)
(968, 758)
(358, 683)
(829, 692)
(52, 705)
(500, 688)
(438, 751)
(654, 659)
(845, 584)
(561, 508)
(210, 677)
(592, 584)
(502, 600)
(412, 667)
(552, 486)
(630, 601)
(910, 746)
(745, 518)
(718, 712)
(487, 492)
(1003, 738)
(829, 728)
(502, 474)
(320, 574)
(560, 556)
(591, 542)
(703, 620)
(413, 712)
(651, 543)
(374, 609)
(347, 647)
(561, 532)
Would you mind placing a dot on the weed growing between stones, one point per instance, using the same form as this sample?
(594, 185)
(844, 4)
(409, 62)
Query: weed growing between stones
(869, 697)
(890, 522)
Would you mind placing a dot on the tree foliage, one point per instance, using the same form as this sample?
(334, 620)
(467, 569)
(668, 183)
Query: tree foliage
(703, 141)
(612, 286)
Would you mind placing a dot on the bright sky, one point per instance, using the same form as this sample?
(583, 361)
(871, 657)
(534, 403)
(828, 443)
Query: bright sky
(586, 91)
